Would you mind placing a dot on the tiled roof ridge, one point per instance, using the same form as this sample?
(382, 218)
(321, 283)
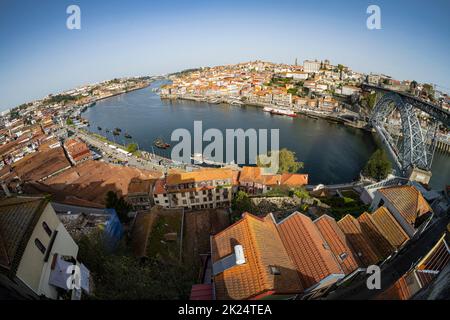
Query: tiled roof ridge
(310, 236)
(258, 258)
(24, 200)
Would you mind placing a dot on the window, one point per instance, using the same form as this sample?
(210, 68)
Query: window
(343, 256)
(47, 228)
(40, 246)
(381, 203)
(274, 270)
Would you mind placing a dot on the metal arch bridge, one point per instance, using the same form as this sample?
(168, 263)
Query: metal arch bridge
(418, 145)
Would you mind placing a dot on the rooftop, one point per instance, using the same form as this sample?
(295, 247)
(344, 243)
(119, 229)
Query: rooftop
(311, 255)
(389, 227)
(353, 231)
(263, 248)
(408, 201)
(18, 217)
(338, 243)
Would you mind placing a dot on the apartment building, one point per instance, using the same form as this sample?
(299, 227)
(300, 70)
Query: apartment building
(206, 188)
(311, 66)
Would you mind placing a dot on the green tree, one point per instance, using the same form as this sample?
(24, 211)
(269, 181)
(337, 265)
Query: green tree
(241, 203)
(378, 167)
(120, 276)
(301, 193)
(287, 161)
(119, 204)
(132, 147)
(69, 122)
(292, 91)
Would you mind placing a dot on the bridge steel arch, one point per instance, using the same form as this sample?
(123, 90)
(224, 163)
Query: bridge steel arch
(414, 150)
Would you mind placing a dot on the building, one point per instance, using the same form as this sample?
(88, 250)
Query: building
(259, 258)
(36, 251)
(140, 193)
(364, 248)
(206, 188)
(310, 66)
(77, 151)
(422, 275)
(254, 180)
(390, 228)
(339, 245)
(251, 262)
(407, 205)
(312, 256)
(350, 90)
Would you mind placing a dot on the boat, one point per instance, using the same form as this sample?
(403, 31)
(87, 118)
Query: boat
(118, 129)
(128, 136)
(99, 128)
(159, 143)
(267, 109)
(283, 112)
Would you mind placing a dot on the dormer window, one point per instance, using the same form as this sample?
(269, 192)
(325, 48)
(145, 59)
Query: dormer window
(274, 270)
(343, 256)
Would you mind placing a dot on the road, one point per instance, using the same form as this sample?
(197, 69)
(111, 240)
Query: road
(153, 162)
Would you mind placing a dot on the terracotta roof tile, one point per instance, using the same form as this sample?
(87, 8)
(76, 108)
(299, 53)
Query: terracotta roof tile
(338, 243)
(200, 175)
(389, 227)
(354, 234)
(377, 240)
(307, 249)
(262, 248)
(408, 201)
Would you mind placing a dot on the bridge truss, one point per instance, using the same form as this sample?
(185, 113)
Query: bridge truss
(412, 145)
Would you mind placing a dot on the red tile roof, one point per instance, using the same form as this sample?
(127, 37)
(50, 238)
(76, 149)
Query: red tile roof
(307, 249)
(408, 201)
(389, 227)
(339, 245)
(354, 234)
(262, 248)
(377, 240)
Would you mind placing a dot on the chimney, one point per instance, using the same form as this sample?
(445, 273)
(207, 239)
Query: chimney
(6, 189)
(235, 259)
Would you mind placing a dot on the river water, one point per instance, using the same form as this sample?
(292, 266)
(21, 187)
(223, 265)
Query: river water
(332, 153)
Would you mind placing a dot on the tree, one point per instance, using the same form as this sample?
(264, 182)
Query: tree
(378, 167)
(69, 122)
(287, 161)
(241, 202)
(119, 204)
(132, 147)
(120, 276)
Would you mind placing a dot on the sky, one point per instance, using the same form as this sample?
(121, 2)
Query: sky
(39, 55)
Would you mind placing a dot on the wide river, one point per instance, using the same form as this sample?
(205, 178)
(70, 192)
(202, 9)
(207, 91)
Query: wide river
(332, 153)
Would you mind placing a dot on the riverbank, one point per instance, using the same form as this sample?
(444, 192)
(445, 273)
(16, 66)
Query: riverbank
(328, 116)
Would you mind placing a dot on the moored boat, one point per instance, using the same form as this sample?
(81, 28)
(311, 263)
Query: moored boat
(283, 112)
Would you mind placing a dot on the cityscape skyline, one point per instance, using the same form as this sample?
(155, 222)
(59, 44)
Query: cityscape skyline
(54, 59)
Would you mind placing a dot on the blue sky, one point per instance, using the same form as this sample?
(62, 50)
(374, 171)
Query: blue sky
(39, 55)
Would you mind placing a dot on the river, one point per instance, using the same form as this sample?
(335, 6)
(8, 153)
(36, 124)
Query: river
(332, 153)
